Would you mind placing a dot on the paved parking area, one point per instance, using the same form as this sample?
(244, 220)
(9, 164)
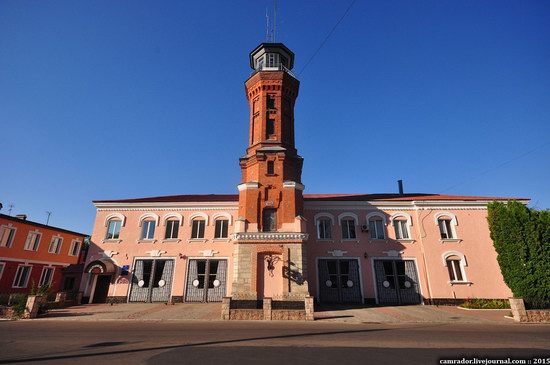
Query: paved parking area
(345, 314)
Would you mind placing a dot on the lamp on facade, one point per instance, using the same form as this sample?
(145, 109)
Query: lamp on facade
(365, 255)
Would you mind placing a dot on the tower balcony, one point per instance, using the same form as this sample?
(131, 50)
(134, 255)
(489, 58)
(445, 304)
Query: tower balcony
(280, 67)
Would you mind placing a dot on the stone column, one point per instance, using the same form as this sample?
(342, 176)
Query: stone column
(226, 306)
(267, 309)
(33, 305)
(308, 303)
(518, 309)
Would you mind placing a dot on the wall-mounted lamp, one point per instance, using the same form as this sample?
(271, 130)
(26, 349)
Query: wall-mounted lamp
(365, 255)
(182, 256)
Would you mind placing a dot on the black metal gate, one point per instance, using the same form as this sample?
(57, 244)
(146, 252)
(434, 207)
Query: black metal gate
(152, 280)
(206, 280)
(397, 282)
(339, 281)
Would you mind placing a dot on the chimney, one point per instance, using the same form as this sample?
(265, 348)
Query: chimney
(400, 185)
(23, 217)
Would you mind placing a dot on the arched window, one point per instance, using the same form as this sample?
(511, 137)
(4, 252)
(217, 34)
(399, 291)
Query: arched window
(114, 222)
(377, 225)
(172, 222)
(197, 228)
(348, 221)
(113, 229)
(446, 223)
(401, 225)
(323, 224)
(455, 262)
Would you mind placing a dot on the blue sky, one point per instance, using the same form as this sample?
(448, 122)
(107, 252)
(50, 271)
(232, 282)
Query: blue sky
(122, 99)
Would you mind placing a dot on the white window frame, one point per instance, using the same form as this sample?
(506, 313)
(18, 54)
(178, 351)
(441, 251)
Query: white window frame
(446, 216)
(75, 243)
(317, 219)
(26, 280)
(146, 234)
(176, 225)
(2, 266)
(107, 234)
(402, 216)
(44, 269)
(204, 223)
(463, 264)
(36, 243)
(221, 219)
(377, 216)
(10, 237)
(352, 219)
(59, 240)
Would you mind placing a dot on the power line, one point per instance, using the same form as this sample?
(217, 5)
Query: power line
(496, 167)
(327, 37)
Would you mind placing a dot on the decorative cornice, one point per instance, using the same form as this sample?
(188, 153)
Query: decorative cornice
(169, 206)
(294, 185)
(157, 208)
(248, 185)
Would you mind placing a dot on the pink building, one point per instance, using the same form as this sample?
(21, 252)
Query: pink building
(273, 241)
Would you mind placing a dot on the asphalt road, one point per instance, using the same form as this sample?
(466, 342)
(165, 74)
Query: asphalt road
(177, 342)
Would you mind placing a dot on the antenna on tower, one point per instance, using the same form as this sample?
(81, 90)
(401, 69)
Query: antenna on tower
(274, 19)
(48, 219)
(10, 208)
(266, 26)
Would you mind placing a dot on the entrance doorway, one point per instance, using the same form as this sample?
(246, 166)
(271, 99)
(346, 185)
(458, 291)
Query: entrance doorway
(101, 288)
(152, 280)
(397, 282)
(206, 280)
(339, 281)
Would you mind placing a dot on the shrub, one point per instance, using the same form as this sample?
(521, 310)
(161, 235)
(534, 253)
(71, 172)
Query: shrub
(19, 303)
(486, 304)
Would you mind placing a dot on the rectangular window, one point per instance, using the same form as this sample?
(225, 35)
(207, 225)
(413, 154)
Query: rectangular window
(376, 227)
(348, 229)
(455, 271)
(148, 230)
(6, 236)
(46, 277)
(22, 276)
(33, 241)
(271, 101)
(55, 245)
(270, 167)
(113, 230)
(401, 230)
(172, 227)
(324, 229)
(270, 127)
(222, 226)
(197, 231)
(75, 248)
(445, 229)
(269, 220)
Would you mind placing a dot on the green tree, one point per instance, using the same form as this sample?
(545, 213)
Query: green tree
(522, 240)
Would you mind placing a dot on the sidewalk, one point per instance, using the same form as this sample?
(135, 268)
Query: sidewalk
(137, 311)
(411, 314)
(345, 314)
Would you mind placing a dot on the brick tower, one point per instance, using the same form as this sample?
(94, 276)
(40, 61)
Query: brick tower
(270, 236)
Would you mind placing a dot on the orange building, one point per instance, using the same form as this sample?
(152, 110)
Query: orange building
(36, 254)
